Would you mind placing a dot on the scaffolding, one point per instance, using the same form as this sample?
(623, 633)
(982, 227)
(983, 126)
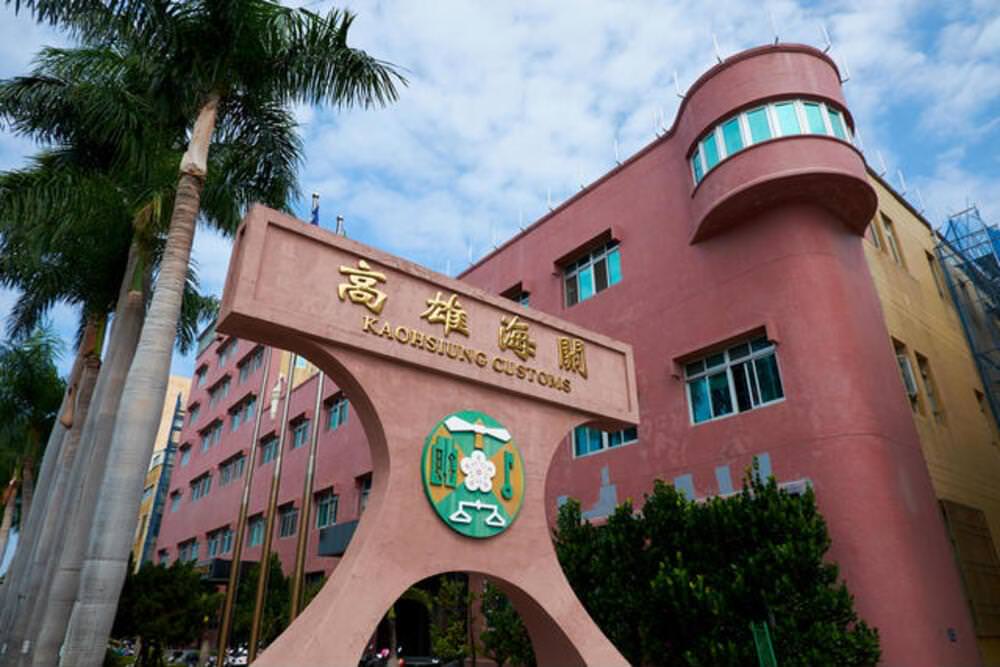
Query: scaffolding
(969, 253)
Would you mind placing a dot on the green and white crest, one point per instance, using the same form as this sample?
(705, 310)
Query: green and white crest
(473, 474)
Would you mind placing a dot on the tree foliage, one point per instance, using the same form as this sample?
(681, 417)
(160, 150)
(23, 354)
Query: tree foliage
(449, 629)
(164, 607)
(277, 603)
(30, 394)
(505, 639)
(680, 582)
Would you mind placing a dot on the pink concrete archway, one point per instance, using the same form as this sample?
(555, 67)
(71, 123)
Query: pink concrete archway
(400, 392)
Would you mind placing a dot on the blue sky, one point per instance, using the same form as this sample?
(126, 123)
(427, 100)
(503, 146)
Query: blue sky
(511, 104)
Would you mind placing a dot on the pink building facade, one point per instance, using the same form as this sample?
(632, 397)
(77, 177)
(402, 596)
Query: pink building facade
(728, 254)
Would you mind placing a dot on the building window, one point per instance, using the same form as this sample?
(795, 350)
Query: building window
(336, 414)
(300, 433)
(232, 469)
(935, 268)
(251, 362)
(175, 501)
(187, 551)
(517, 294)
(220, 542)
(740, 378)
(200, 486)
(269, 449)
(185, 454)
(226, 352)
(889, 233)
(930, 388)
(201, 374)
(162, 556)
(588, 440)
(218, 392)
(779, 119)
(193, 413)
(364, 490)
(243, 412)
(326, 508)
(255, 531)
(288, 517)
(211, 435)
(875, 235)
(906, 371)
(593, 273)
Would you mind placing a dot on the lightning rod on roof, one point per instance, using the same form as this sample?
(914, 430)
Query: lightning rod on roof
(617, 157)
(663, 120)
(827, 42)
(774, 25)
(860, 145)
(847, 70)
(715, 44)
(677, 86)
(340, 230)
(902, 181)
(920, 199)
(881, 160)
(548, 198)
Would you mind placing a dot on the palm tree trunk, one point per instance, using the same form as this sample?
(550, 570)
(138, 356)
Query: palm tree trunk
(134, 434)
(61, 576)
(10, 591)
(42, 553)
(27, 490)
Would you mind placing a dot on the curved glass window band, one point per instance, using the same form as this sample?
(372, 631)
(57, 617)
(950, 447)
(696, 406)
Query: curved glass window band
(770, 121)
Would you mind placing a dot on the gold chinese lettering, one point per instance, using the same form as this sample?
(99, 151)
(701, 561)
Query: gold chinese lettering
(361, 286)
(572, 356)
(448, 312)
(513, 336)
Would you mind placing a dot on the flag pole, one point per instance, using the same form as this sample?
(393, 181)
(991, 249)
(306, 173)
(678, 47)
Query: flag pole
(234, 567)
(306, 505)
(265, 555)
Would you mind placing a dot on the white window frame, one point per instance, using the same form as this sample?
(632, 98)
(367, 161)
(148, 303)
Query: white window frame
(287, 515)
(593, 257)
(605, 442)
(730, 380)
(327, 497)
(774, 127)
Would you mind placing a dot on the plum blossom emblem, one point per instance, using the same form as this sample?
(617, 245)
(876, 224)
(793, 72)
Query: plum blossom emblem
(478, 471)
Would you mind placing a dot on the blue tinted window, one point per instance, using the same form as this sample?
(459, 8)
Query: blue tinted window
(614, 267)
(759, 129)
(722, 400)
(696, 166)
(711, 151)
(837, 122)
(731, 136)
(814, 116)
(700, 407)
(787, 118)
(586, 278)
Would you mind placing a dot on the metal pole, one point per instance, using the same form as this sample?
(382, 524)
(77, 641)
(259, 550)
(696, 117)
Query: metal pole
(234, 568)
(272, 502)
(306, 505)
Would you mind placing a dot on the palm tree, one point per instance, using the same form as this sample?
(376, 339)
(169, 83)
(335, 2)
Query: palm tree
(230, 66)
(70, 210)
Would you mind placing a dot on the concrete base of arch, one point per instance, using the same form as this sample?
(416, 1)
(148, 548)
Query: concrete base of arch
(400, 391)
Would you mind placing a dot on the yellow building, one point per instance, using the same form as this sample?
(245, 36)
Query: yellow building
(951, 411)
(171, 420)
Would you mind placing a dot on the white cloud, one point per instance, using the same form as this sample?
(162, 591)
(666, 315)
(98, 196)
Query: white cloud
(510, 101)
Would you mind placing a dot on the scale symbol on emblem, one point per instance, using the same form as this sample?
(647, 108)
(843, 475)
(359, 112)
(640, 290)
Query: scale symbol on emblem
(473, 474)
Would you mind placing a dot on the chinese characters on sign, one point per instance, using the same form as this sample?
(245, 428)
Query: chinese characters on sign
(361, 286)
(513, 336)
(572, 356)
(447, 312)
